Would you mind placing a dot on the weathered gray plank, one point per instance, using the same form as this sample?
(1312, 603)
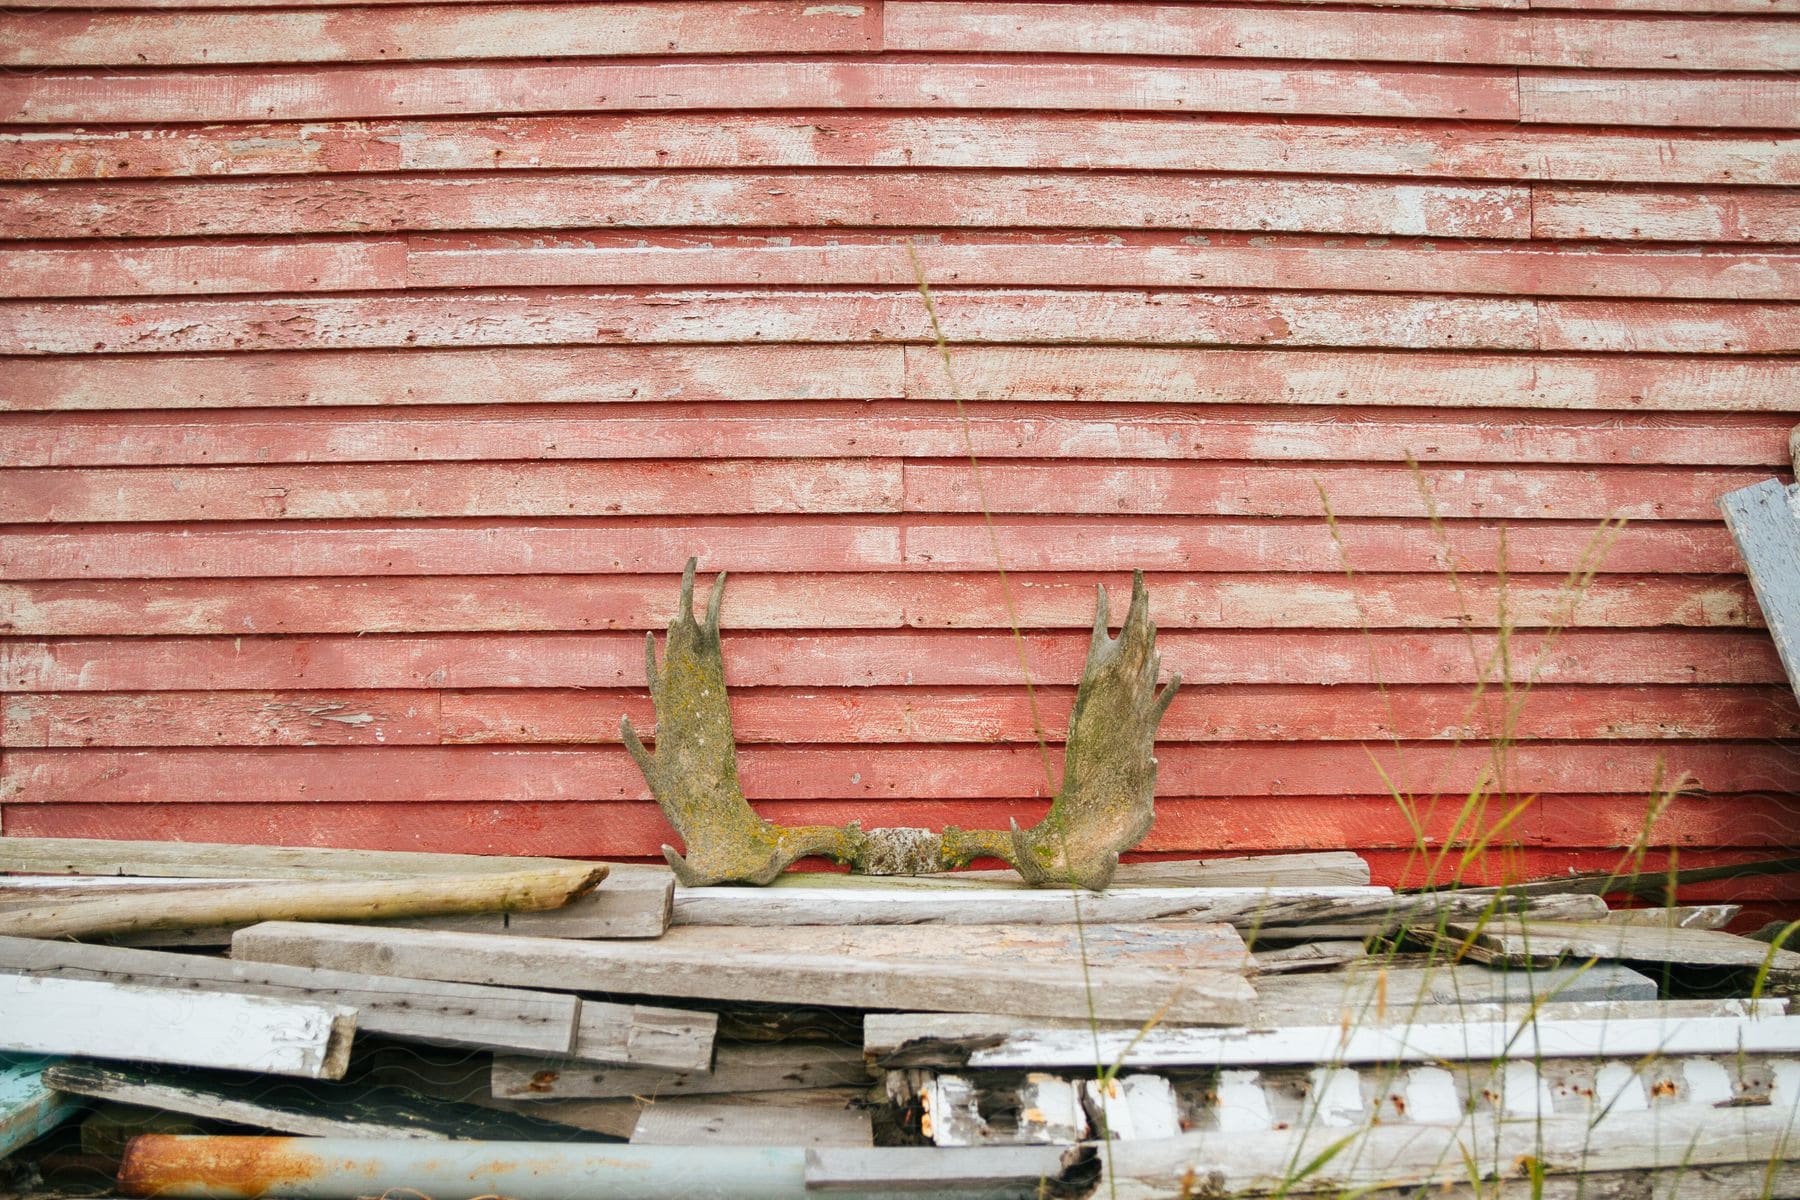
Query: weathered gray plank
(1764, 520)
(451, 1013)
(930, 1169)
(1523, 942)
(721, 1123)
(97, 856)
(779, 1066)
(111, 1020)
(635, 904)
(1690, 916)
(1159, 971)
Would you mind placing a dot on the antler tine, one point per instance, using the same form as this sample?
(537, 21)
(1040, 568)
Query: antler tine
(692, 772)
(1106, 803)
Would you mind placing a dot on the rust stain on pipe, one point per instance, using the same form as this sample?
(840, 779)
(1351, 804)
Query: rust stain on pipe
(156, 1164)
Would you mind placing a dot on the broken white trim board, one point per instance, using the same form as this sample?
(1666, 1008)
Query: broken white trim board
(200, 1029)
(988, 969)
(1688, 1136)
(1418, 1041)
(451, 1013)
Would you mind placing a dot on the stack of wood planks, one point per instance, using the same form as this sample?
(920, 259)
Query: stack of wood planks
(1228, 1020)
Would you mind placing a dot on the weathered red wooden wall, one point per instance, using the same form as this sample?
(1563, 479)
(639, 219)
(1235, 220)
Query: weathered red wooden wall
(372, 369)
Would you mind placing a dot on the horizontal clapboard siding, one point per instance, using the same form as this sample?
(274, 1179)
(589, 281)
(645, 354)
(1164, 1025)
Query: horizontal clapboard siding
(371, 369)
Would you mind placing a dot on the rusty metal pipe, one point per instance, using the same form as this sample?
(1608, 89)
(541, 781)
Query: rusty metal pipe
(243, 1168)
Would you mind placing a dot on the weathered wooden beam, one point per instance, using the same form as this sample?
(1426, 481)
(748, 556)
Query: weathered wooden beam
(346, 900)
(1688, 916)
(927, 1169)
(976, 969)
(1529, 942)
(723, 1123)
(451, 1013)
(1764, 520)
(1418, 1040)
(112, 1020)
(99, 856)
(778, 1066)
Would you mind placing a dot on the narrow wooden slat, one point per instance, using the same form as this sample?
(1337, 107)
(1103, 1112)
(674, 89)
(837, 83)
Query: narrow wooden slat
(1616, 97)
(885, 715)
(418, 33)
(331, 491)
(867, 600)
(474, 774)
(977, 315)
(1019, 140)
(1546, 40)
(1478, 381)
(896, 429)
(307, 93)
(928, 430)
(204, 268)
(313, 491)
(599, 374)
(953, 658)
(1205, 490)
(989, 259)
(162, 208)
(1766, 527)
(626, 374)
(1720, 829)
(1771, 7)
(635, 546)
(1748, 214)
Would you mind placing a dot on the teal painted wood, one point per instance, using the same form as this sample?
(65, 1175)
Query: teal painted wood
(1764, 520)
(28, 1109)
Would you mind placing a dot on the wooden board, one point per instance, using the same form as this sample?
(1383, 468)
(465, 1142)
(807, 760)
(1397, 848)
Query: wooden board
(777, 1067)
(1095, 140)
(306, 1109)
(817, 970)
(29, 1108)
(111, 1020)
(728, 1124)
(1420, 1040)
(458, 1014)
(1529, 941)
(1765, 524)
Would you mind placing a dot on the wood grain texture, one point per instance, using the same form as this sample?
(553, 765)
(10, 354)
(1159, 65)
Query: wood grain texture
(419, 774)
(974, 315)
(1545, 39)
(297, 93)
(371, 367)
(985, 259)
(400, 717)
(1095, 140)
(836, 199)
(868, 600)
(421, 33)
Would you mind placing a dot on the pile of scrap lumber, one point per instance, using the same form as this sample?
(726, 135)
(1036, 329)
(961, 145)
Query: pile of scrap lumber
(187, 1020)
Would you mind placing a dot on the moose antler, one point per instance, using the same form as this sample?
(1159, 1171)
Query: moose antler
(693, 772)
(1105, 805)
